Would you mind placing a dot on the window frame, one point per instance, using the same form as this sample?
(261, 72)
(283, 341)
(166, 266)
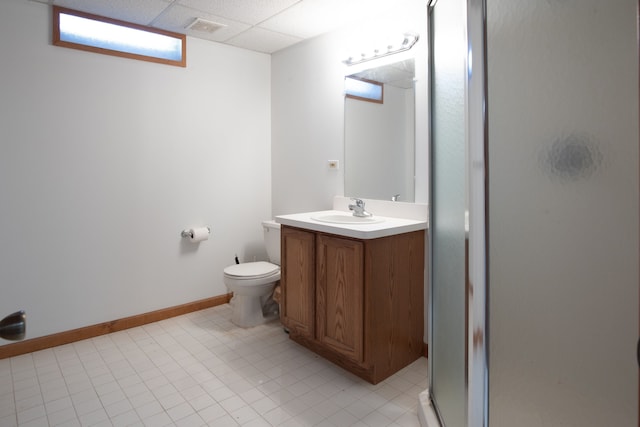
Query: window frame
(56, 41)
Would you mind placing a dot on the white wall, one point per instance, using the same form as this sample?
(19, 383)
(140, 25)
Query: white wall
(308, 116)
(307, 125)
(104, 160)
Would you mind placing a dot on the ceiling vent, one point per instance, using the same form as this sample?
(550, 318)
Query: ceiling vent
(204, 26)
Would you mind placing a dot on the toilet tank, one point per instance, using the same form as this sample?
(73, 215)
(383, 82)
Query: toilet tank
(272, 240)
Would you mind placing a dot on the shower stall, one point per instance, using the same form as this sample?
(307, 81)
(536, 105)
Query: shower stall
(534, 171)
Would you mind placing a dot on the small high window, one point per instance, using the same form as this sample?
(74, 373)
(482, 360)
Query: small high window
(79, 30)
(364, 90)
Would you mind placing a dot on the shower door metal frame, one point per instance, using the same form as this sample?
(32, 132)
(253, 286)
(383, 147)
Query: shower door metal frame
(476, 257)
(477, 261)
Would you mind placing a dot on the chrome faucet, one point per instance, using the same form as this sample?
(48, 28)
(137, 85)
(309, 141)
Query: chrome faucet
(358, 208)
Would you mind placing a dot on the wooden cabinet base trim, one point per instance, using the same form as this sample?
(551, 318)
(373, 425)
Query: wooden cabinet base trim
(366, 373)
(66, 337)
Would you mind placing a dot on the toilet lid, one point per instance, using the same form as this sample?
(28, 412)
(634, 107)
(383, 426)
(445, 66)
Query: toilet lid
(253, 270)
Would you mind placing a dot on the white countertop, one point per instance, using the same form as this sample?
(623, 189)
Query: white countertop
(389, 227)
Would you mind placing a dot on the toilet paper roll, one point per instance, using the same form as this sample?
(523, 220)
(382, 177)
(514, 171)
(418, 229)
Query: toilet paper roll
(199, 234)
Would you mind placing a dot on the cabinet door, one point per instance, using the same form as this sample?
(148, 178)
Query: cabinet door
(340, 295)
(298, 281)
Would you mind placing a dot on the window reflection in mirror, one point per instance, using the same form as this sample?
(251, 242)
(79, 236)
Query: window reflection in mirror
(364, 90)
(380, 137)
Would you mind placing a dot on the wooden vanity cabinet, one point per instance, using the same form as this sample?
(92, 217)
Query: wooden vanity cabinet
(358, 303)
(340, 296)
(297, 311)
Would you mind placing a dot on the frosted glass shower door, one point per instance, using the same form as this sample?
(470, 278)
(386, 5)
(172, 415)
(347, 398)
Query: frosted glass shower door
(447, 217)
(563, 209)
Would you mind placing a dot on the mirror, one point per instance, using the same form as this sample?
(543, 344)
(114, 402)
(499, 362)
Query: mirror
(379, 138)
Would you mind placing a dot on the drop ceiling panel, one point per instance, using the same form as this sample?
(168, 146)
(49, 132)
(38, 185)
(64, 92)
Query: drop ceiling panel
(138, 12)
(328, 15)
(262, 40)
(247, 11)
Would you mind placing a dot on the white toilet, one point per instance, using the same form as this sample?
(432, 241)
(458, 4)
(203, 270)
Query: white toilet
(252, 283)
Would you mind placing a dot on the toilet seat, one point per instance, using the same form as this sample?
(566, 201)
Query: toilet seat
(251, 270)
(251, 274)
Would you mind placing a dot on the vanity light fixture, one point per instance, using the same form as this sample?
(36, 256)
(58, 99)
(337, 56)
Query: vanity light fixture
(406, 42)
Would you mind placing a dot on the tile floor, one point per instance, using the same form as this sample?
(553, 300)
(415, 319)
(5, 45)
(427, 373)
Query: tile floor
(198, 370)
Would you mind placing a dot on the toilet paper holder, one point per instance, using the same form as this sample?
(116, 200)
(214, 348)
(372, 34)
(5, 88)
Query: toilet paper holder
(188, 233)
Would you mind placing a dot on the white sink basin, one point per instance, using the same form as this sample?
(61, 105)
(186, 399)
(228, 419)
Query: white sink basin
(347, 219)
